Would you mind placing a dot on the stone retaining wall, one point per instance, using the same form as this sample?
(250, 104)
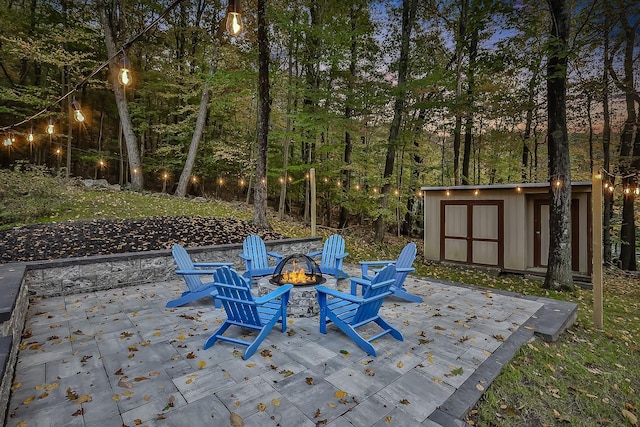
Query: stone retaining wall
(70, 276)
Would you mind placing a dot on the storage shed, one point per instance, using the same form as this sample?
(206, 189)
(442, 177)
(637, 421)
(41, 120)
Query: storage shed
(503, 226)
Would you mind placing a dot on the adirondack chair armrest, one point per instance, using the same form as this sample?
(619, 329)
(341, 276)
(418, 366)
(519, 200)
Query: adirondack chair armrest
(245, 257)
(342, 255)
(355, 281)
(337, 294)
(195, 272)
(212, 264)
(314, 254)
(405, 270)
(275, 255)
(377, 263)
(274, 294)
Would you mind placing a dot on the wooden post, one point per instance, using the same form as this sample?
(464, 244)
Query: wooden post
(596, 279)
(312, 183)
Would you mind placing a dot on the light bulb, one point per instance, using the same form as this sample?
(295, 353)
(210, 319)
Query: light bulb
(234, 23)
(50, 128)
(30, 137)
(124, 77)
(78, 116)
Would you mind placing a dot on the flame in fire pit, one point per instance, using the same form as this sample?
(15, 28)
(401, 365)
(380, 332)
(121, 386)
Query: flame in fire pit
(296, 276)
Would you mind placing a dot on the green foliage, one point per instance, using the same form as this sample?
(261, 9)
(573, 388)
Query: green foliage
(28, 195)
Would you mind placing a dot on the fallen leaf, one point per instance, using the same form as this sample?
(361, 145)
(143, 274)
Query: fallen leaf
(125, 384)
(236, 420)
(265, 353)
(370, 372)
(118, 372)
(43, 395)
(137, 422)
(71, 395)
(202, 364)
(480, 387)
(400, 364)
(15, 386)
(125, 334)
(22, 424)
(405, 402)
(275, 402)
(28, 400)
(82, 399)
(388, 419)
(250, 365)
(138, 379)
(115, 398)
(190, 355)
(309, 380)
(340, 394)
(261, 407)
(79, 411)
(331, 405)
(629, 416)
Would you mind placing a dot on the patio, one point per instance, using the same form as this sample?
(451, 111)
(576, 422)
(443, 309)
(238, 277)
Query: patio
(119, 357)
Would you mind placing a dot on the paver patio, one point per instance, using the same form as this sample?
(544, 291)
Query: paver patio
(119, 357)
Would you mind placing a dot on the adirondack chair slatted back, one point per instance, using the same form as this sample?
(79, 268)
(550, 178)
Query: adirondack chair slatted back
(333, 247)
(183, 261)
(376, 293)
(255, 248)
(235, 294)
(407, 256)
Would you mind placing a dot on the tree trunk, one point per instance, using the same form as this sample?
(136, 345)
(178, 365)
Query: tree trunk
(559, 275)
(264, 109)
(107, 13)
(408, 17)
(348, 113)
(468, 128)
(606, 143)
(183, 182)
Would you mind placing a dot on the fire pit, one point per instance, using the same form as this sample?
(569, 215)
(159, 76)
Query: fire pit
(299, 270)
(303, 273)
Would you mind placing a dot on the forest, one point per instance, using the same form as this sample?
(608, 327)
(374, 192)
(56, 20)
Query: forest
(378, 98)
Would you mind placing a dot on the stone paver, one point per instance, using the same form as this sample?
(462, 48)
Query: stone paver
(119, 357)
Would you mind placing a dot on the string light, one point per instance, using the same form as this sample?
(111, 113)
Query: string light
(241, 182)
(234, 18)
(357, 187)
(101, 163)
(281, 179)
(194, 179)
(519, 189)
(124, 77)
(50, 127)
(30, 136)
(476, 192)
(77, 112)
(220, 181)
(290, 178)
(396, 192)
(447, 193)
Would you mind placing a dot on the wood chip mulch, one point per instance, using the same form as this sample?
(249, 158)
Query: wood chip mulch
(108, 236)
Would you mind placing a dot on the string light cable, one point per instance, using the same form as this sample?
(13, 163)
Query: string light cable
(121, 51)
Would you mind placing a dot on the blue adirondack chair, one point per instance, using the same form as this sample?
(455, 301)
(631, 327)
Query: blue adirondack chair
(403, 268)
(256, 258)
(350, 312)
(332, 256)
(245, 311)
(192, 273)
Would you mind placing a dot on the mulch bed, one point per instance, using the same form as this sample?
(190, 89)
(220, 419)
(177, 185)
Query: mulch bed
(108, 236)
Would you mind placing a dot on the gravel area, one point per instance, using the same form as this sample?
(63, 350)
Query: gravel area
(108, 236)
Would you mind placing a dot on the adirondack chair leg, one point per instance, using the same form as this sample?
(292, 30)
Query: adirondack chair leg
(213, 338)
(362, 343)
(387, 327)
(402, 294)
(188, 297)
(261, 336)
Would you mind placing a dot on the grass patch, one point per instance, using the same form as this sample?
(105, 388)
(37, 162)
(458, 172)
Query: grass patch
(588, 378)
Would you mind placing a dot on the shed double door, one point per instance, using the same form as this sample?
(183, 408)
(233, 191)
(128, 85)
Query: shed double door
(472, 232)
